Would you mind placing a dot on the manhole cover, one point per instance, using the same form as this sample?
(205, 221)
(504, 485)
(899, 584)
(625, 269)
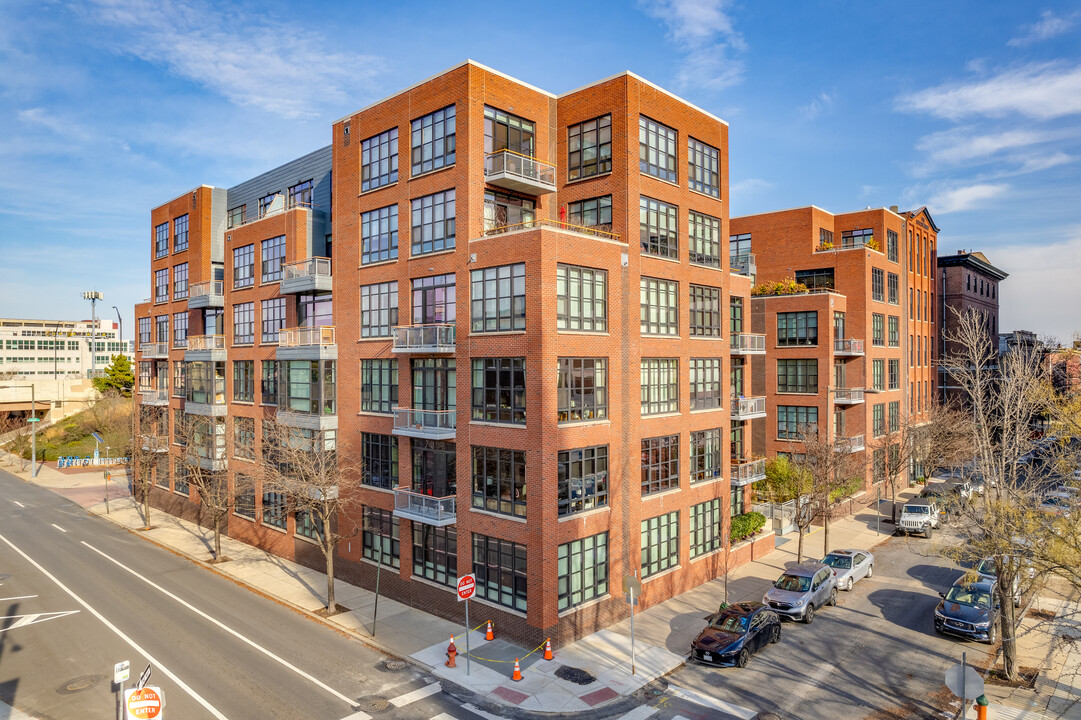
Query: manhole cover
(575, 675)
(373, 704)
(83, 682)
(395, 665)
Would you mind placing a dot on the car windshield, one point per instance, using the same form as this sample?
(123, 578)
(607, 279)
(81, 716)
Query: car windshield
(794, 583)
(1061, 502)
(986, 567)
(917, 509)
(838, 561)
(731, 622)
(969, 596)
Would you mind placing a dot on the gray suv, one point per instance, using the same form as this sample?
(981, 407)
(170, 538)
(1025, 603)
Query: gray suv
(802, 590)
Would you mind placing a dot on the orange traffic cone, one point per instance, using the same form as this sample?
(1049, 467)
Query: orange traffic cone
(517, 671)
(451, 652)
(489, 635)
(548, 649)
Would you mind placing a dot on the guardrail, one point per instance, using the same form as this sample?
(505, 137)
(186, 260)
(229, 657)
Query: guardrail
(748, 406)
(206, 342)
(748, 343)
(527, 168)
(597, 231)
(425, 508)
(748, 471)
(312, 267)
(297, 337)
(435, 337)
(154, 395)
(848, 346)
(848, 395)
(154, 349)
(210, 288)
(425, 422)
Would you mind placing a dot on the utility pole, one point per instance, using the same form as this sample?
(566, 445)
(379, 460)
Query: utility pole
(120, 321)
(93, 296)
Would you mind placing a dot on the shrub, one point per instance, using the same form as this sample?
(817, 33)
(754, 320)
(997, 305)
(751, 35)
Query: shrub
(747, 524)
(788, 286)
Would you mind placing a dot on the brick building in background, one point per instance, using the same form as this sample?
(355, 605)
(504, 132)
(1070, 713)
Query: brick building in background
(524, 336)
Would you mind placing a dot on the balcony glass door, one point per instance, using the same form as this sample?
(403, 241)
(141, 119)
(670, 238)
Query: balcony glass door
(737, 377)
(839, 325)
(434, 384)
(503, 131)
(213, 321)
(434, 468)
(502, 210)
(433, 300)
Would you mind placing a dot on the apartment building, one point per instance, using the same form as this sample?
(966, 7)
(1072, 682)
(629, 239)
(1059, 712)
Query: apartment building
(58, 349)
(530, 299)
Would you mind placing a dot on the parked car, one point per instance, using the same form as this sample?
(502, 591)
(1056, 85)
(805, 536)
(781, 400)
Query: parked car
(969, 610)
(1058, 503)
(919, 516)
(736, 632)
(850, 566)
(986, 569)
(961, 487)
(802, 590)
(946, 495)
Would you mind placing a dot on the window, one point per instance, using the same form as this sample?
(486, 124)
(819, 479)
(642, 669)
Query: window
(581, 299)
(434, 300)
(274, 509)
(878, 374)
(660, 464)
(891, 245)
(268, 380)
(857, 238)
(144, 330)
(244, 266)
(244, 437)
(817, 279)
(503, 131)
(180, 281)
(273, 250)
(378, 385)
(379, 456)
(660, 385)
(180, 329)
(656, 149)
(878, 331)
(791, 419)
(797, 376)
(735, 315)
(301, 194)
(582, 389)
(583, 479)
(660, 543)
(879, 416)
(583, 570)
(267, 202)
(435, 468)
(435, 553)
(878, 285)
(244, 323)
(244, 505)
(797, 328)
(893, 283)
(378, 309)
(659, 228)
(705, 311)
(705, 383)
(499, 480)
(825, 237)
(895, 416)
(433, 141)
(703, 168)
(895, 374)
(379, 537)
(161, 240)
(314, 310)
(506, 212)
(704, 233)
(180, 478)
(500, 567)
(895, 333)
(705, 532)
(161, 329)
(379, 160)
(161, 285)
(498, 298)
(308, 386)
(244, 380)
(499, 390)
(589, 148)
(433, 225)
(272, 317)
(309, 525)
(705, 455)
(178, 379)
(594, 213)
(237, 216)
(659, 306)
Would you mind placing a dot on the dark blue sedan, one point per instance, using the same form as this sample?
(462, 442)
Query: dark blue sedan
(736, 632)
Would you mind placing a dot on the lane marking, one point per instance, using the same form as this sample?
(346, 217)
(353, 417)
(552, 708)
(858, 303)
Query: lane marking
(348, 700)
(418, 694)
(18, 503)
(32, 619)
(58, 527)
(482, 713)
(715, 703)
(639, 713)
(444, 716)
(18, 597)
(358, 715)
(134, 645)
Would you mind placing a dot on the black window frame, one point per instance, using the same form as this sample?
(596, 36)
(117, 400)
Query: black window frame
(703, 160)
(501, 572)
(797, 375)
(379, 160)
(706, 376)
(487, 313)
(878, 285)
(382, 245)
(435, 553)
(582, 479)
(499, 480)
(660, 386)
(244, 437)
(382, 374)
(500, 396)
(656, 558)
(584, 559)
(595, 212)
(244, 323)
(268, 382)
(180, 281)
(791, 417)
(244, 381)
(379, 457)
(893, 288)
(438, 128)
(704, 239)
(429, 233)
(705, 455)
(380, 537)
(600, 163)
(705, 310)
(271, 255)
(244, 266)
(658, 306)
(795, 329)
(272, 316)
(571, 284)
(650, 134)
(658, 224)
(878, 329)
(161, 240)
(571, 382)
(384, 295)
(705, 531)
(660, 464)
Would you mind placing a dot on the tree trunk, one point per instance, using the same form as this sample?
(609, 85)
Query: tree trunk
(1008, 623)
(799, 547)
(893, 503)
(825, 532)
(146, 504)
(329, 551)
(217, 537)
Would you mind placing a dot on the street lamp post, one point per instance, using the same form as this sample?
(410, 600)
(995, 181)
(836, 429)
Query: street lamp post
(33, 428)
(93, 296)
(120, 321)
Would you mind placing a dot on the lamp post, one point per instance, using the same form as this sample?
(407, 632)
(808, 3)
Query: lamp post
(120, 321)
(93, 296)
(33, 428)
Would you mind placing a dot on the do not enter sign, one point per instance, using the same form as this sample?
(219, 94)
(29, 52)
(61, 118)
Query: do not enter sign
(145, 704)
(467, 585)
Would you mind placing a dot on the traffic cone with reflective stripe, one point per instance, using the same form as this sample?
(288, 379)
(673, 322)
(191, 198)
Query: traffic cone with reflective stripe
(489, 635)
(548, 649)
(517, 671)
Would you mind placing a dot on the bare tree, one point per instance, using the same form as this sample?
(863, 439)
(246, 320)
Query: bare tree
(110, 417)
(148, 445)
(832, 466)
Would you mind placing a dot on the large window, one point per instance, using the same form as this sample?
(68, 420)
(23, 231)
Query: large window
(271, 318)
(895, 416)
(499, 390)
(504, 131)
(878, 329)
(703, 168)
(434, 299)
(891, 245)
(659, 225)
(180, 281)
(705, 454)
(797, 376)
(272, 252)
(589, 148)
(500, 567)
(309, 525)
(308, 386)
(379, 536)
(379, 235)
(660, 464)
(660, 543)
(895, 374)
(161, 329)
(379, 456)
(435, 553)
(243, 266)
(791, 419)
(660, 385)
(705, 535)
(594, 213)
(878, 373)
(268, 382)
(705, 239)
(161, 285)
(379, 160)
(378, 309)
(274, 513)
(300, 194)
(178, 378)
(145, 325)
(582, 389)
(237, 216)
(583, 479)
(583, 570)
(161, 240)
(378, 385)
(893, 284)
(244, 323)
(581, 298)
(498, 298)
(895, 332)
(244, 380)
(180, 329)
(705, 311)
(244, 437)
(433, 141)
(879, 419)
(857, 238)
(705, 383)
(878, 284)
(499, 480)
(506, 211)
(659, 311)
(735, 314)
(656, 149)
(797, 328)
(180, 233)
(433, 225)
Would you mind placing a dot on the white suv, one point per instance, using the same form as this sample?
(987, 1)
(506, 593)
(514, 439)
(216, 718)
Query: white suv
(920, 516)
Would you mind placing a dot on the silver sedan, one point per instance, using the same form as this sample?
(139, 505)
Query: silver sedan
(850, 566)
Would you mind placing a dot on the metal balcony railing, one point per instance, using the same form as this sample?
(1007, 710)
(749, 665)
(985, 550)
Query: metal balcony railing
(206, 342)
(601, 231)
(154, 443)
(848, 396)
(209, 288)
(312, 267)
(748, 471)
(301, 336)
(853, 443)
(519, 172)
(847, 346)
(427, 509)
(153, 396)
(743, 264)
(430, 424)
(154, 350)
(746, 408)
(748, 344)
(434, 338)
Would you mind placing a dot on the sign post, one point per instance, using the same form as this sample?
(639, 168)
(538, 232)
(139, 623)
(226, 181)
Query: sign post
(467, 586)
(632, 586)
(121, 673)
(963, 681)
(143, 678)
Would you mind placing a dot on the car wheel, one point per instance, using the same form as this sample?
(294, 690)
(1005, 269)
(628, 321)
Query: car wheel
(927, 532)
(992, 634)
(775, 637)
(809, 614)
(833, 595)
(870, 570)
(848, 585)
(742, 658)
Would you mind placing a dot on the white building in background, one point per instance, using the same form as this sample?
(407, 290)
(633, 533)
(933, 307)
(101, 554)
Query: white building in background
(58, 349)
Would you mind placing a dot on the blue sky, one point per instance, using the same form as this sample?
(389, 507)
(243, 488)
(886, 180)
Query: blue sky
(110, 107)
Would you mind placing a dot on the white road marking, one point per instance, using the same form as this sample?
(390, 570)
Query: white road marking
(796, 695)
(358, 715)
(19, 597)
(225, 627)
(134, 645)
(58, 527)
(18, 503)
(639, 713)
(483, 713)
(418, 694)
(711, 702)
(444, 716)
(33, 619)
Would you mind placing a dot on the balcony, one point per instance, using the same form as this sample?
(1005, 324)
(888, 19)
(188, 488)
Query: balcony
(307, 343)
(425, 424)
(208, 348)
(154, 443)
(745, 472)
(598, 231)
(207, 294)
(748, 408)
(853, 443)
(521, 173)
(154, 396)
(748, 344)
(848, 346)
(743, 264)
(848, 396)
(435, 338)
(422, 508)
(154, 350)
(307, 276)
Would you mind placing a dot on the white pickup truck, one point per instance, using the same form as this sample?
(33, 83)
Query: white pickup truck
(920, 516)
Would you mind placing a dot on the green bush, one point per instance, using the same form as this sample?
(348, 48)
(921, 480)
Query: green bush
(747, 524)
(852, 487)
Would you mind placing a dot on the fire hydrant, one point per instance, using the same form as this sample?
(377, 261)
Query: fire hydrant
(981, 707)
(451, 652)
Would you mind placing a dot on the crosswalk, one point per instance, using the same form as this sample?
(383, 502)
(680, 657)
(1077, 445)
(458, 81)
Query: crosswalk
(409, 698)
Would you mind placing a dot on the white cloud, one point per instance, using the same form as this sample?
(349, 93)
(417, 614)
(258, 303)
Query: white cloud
(750, 185)
(705, 32)
(1035, 164)
(964, 145)
(1048, 27)
(1040, 90)
(816, 107)
(967, 197)
(1042, 277)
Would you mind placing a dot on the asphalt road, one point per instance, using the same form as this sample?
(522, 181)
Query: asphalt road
(78, 594)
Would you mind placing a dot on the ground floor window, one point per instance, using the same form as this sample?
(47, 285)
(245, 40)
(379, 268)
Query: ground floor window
(274, 509)
(308, 525)
(380, 536)
(500, 568)
(583, 570)
(705, 533)
(739, 500)
(660, 543)
(435, 553)
(244, 505)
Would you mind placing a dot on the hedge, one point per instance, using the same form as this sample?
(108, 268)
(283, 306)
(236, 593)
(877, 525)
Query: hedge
(747, 524)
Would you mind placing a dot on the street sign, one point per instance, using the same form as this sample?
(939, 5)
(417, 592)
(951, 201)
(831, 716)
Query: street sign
(143, 678)
(33, 420)
(973, 682)
(144, 704)
(121, 672)
(630, 581)
(467, 585)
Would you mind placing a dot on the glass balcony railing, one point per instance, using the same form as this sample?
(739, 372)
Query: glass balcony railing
(154, 443)
(848, 396)
(748, 344)
(519, 172)
(312, 267)
(206, 342)
(212, 290)
(303, 336)
(429, 424)
(424, 508)
(154, 396)
(745, 472)
(847, 346)
(434, 338)
(852, 443)
(748, 408)
(154, 350)
(743, 264)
